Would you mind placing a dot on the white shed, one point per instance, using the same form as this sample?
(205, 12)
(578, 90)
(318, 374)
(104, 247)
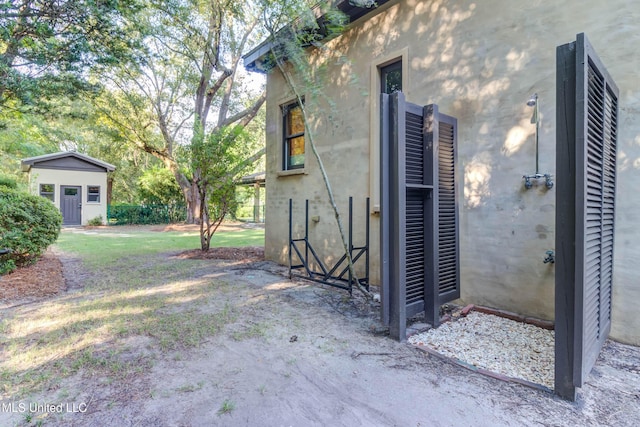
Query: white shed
(74, 182)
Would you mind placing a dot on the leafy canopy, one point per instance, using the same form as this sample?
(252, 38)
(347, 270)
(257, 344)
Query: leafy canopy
(46, 46)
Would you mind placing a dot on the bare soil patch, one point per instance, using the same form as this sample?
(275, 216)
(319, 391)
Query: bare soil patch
(244, 255)
(297, 353)
(45, 277)
(40, 280)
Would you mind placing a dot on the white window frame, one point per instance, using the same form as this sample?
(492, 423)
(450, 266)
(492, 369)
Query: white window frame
(89, 193)
(46, 194)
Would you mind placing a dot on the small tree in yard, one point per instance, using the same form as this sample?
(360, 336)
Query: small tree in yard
(220, 157)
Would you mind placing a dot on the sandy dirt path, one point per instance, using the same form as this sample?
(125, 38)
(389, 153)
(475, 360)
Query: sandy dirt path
(298, 354)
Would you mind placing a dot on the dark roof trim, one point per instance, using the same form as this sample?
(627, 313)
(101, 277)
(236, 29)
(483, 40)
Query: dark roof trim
(30, 162)
(354, 9)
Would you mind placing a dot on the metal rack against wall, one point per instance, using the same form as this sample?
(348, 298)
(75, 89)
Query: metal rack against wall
(311, 266)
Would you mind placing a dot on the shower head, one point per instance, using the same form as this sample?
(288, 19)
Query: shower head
(533, 100)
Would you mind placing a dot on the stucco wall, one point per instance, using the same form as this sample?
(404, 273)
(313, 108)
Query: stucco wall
(83, 179)
(480, 62)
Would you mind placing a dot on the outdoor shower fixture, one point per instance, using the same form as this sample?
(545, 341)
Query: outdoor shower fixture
(550, 257)
(535, 119)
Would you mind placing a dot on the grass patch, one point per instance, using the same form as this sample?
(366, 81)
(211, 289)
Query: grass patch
(136, 303)
(227, 407)
(104, 249)
(256, 330)
(63, 338)
(190, 388)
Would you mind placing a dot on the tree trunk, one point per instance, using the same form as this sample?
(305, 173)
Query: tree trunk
(192, 197)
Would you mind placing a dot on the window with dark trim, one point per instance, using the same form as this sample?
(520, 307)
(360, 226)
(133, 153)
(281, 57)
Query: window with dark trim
(93, 193)
(293, 136)
(391, 78)
(47, 191)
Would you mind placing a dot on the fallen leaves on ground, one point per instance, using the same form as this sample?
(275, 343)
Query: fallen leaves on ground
(44, 278)
(245, 254)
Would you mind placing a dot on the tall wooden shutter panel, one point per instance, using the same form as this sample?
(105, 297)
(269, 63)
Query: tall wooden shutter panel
(598, 182)
(587, 117)
(416, 213)
(419, 212)
(448, 244)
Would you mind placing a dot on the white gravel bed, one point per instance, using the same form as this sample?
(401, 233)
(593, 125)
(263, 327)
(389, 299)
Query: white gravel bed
(500, 345)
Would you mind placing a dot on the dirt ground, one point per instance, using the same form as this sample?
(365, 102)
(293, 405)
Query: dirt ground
(300, 354)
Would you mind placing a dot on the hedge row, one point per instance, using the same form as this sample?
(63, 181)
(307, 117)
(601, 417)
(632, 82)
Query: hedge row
(147, 214)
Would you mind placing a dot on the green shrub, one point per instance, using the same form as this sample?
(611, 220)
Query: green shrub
(28, 225)
(148, 214)
(6, 181)
(96, 221)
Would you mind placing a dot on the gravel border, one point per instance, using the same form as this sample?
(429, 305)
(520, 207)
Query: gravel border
(502, 346)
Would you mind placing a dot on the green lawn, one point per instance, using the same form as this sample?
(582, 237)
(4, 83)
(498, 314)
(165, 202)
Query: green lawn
(100, 248)
(131, 292)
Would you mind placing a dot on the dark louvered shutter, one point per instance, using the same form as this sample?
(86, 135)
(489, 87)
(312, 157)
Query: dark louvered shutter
(419, 216)
(415, 213)
(587, 114)
(448, 253)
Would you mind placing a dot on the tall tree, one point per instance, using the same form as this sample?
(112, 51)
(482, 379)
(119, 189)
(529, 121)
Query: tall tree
(188, 91)
(47, 45)
(68, 123)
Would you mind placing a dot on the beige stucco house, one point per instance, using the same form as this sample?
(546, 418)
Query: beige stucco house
(480, 62)
(74, 182)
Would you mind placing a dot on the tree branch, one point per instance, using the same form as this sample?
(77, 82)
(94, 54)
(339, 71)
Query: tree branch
(246, 115)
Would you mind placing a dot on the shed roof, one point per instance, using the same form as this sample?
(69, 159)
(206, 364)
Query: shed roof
(47, 159)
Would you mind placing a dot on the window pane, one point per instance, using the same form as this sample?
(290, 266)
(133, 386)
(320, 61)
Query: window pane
(296, 151)
(70, 191)
(393, 82)
(46, 188)
(93, 193)
(391, 78)
(48, 196)
(296, 146)
(295, 121)
(293, 137)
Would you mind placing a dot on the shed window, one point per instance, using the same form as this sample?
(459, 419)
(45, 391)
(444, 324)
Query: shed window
(93, 193)
(293, 132)
(47, 191)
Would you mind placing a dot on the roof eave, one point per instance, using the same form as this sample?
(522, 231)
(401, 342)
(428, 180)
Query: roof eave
(255, 59)
(27, 163)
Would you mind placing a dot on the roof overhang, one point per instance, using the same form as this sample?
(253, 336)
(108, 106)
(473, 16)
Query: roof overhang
(255, 178)
(30, 162)
(257, 60)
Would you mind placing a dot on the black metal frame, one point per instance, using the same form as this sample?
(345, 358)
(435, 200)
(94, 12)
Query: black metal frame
(327, 276)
